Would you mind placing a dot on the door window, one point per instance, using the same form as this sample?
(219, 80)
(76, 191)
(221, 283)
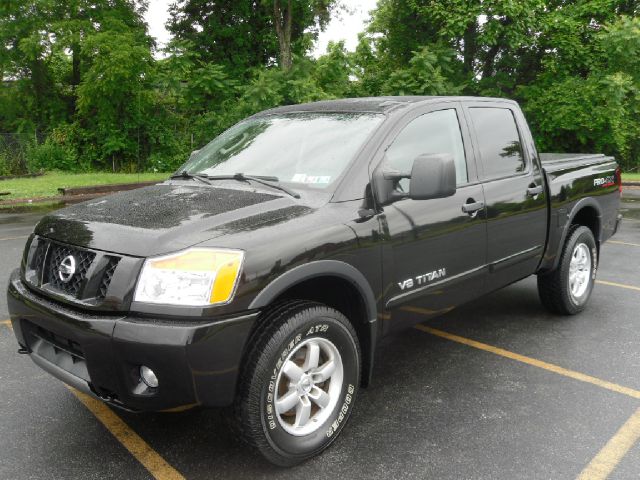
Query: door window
(435, 132)
(498, 141)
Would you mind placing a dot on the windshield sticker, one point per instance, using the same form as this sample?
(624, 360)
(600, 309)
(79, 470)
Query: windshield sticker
(314, 179)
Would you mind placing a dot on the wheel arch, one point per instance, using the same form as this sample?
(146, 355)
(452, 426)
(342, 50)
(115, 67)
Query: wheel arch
(586, 212)
(340, 286)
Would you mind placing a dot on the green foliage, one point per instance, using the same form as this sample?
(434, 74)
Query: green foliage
(246, 35)
(9, 164)
(238, 35)
(596, 111)
(574, 66)
(428, 73)
(113, 99)
(52, 156)
(82, 73)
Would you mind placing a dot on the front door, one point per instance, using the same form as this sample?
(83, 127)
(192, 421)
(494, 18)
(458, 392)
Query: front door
(434, 253)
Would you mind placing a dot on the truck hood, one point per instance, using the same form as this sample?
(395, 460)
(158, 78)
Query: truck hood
(164, 218)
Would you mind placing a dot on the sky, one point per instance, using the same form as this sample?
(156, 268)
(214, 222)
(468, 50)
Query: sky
(344, 26)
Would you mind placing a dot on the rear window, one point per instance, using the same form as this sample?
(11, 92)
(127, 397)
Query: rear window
(499, 142)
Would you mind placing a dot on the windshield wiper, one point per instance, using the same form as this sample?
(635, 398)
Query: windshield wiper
(188, 176)
(262, 179)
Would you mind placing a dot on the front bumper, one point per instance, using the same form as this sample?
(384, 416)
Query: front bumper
(196, 363)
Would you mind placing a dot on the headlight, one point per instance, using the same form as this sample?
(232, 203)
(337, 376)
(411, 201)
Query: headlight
(195, 277)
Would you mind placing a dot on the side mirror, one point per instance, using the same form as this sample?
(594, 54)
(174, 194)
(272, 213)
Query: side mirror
(431, 176)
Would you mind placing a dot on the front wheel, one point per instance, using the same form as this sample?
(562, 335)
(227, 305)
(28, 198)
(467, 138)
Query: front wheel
(567, 289)
(299, 383)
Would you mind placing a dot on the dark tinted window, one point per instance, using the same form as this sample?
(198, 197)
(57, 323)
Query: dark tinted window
(499, 143)
(435, 132)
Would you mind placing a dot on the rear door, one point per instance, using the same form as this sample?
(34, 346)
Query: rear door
(434, 252)
(513, 189)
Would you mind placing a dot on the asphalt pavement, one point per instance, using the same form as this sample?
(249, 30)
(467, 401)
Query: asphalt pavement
(496, 389)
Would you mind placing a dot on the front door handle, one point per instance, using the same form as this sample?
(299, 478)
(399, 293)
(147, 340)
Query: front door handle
(472, 207)
(534, 190)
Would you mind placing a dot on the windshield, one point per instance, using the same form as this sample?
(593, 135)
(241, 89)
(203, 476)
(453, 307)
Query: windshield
(304, 149)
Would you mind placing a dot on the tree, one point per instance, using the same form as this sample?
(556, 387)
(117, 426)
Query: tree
(113, 97)
(293, 19)
(598, 107)
(82, 73)
(25, 61)
(237, 35)
(428, 73)
(245, 35)
(41, 52)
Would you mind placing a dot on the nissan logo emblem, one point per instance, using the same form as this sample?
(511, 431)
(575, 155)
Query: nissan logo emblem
(67, 269)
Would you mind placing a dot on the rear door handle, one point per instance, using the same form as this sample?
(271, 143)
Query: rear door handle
(534, 190)
(472, 207)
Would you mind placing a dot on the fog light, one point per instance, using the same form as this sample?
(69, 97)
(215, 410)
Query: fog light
(148, 376)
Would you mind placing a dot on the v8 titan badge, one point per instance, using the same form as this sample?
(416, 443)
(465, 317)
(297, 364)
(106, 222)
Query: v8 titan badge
(422, 279)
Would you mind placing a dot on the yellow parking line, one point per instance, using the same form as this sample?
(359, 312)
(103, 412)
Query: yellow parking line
(147, 456)
(624, 243)
(612, 453)
(532, 361)
(14, 238)
(620, 285)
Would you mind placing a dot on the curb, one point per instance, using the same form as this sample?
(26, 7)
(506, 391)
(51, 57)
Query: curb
(104, 189)
(76, 194)
(25, 175)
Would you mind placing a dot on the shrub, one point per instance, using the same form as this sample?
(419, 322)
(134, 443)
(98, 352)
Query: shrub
(5, 168)
(52, 156)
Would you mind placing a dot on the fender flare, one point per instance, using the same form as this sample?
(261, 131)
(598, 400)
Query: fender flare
(315, 269)
(585, 202)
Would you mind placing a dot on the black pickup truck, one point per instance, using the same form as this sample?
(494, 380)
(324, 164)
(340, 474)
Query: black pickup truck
(263, 274)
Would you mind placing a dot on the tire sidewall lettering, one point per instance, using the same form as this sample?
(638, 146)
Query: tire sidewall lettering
(344, 409)
(271, 387)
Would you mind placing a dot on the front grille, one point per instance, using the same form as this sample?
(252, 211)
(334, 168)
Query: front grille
(35, 261)
(58, 253)
(92, 274)
(107, 276)
(38, 258)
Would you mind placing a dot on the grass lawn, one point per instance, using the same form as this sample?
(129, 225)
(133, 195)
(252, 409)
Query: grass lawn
(48, 184)
(631, 176)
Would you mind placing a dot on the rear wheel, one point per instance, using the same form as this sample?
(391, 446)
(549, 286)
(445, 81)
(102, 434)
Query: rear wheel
(299, 383)
(567, 289)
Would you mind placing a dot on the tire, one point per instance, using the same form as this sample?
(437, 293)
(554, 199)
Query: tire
(279, 384)
(567, 289)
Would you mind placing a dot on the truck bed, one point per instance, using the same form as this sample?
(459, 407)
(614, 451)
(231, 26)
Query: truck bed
(553, 162)
(575, 181)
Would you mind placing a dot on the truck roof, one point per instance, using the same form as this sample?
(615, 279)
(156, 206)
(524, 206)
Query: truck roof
(371, 104)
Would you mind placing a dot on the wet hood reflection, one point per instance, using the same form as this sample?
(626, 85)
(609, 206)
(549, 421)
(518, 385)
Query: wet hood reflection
(163, 218)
